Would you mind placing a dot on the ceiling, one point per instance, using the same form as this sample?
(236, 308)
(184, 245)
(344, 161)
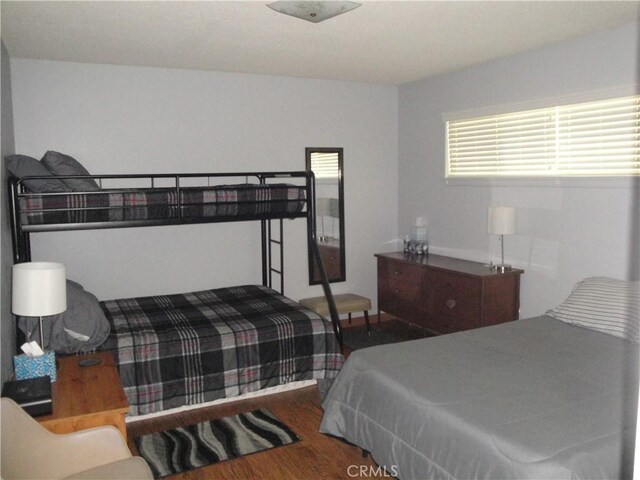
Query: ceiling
(387, 42)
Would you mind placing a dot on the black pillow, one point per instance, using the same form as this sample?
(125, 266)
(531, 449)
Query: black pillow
(23, 166)
(61, 164)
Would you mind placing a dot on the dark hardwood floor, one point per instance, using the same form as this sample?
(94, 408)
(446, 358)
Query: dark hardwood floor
(396, 328)
(402, 329)
(317, 456)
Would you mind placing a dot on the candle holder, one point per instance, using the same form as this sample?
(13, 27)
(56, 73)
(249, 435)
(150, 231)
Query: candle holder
(415, 247)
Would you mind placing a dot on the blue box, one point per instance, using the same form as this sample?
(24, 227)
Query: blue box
(33, 367)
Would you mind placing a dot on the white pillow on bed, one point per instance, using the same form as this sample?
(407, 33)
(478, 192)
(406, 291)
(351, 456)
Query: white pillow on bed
(603, 304)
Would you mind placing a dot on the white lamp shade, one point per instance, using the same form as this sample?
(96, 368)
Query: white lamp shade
(39, 289)
(502, 220)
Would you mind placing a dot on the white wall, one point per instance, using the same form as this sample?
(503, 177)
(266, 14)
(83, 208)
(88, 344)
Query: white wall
(565, 233)
(118, 119)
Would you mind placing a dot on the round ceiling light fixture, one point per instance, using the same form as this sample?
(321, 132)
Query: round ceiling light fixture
(314, 12)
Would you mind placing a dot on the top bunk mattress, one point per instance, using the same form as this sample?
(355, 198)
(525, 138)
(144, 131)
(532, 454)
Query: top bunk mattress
(530, 399)
(192, 348)
(192, 204)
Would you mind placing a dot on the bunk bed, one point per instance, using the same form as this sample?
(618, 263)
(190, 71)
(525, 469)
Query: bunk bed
(192, 348)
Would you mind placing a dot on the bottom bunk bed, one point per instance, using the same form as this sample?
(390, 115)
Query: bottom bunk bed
(193, 348)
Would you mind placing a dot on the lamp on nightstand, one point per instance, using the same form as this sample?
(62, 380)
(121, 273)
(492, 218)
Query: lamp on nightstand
(39, 290)
(502, 221)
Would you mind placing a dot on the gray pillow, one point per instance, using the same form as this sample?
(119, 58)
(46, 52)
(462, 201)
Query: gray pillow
(81, 328)
(61, 164)
(23, 166)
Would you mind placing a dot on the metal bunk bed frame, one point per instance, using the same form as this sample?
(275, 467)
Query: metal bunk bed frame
(20, 234)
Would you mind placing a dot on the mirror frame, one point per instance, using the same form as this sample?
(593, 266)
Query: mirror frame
(343, 265)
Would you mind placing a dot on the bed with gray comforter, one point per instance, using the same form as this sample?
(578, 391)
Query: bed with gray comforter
(531, 399)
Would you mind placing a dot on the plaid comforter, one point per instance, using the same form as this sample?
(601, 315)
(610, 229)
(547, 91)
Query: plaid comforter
(191, 348)
(244, 200)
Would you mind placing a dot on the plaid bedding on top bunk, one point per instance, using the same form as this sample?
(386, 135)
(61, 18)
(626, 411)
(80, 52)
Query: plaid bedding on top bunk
(191, 348)
(161, 203)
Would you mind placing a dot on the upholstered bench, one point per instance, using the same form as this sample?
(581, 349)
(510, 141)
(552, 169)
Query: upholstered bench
(345, 303)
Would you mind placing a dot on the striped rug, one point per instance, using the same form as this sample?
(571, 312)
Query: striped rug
(202, 444)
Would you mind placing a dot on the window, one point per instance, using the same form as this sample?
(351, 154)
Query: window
(599, 139)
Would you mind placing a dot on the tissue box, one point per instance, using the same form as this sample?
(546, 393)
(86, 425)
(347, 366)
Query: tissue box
(33, 367)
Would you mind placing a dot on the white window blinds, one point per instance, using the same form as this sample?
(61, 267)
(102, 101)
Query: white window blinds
(324, 165)
(587, 139)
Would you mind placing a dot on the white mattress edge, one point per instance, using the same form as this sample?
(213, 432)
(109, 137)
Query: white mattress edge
(260, 393)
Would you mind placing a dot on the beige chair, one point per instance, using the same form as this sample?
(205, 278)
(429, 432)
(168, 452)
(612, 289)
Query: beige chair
(30, 451)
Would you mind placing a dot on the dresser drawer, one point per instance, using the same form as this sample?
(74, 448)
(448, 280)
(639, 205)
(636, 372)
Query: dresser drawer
(401, 273)
(443, 324)
(402, 300)
(452, 302)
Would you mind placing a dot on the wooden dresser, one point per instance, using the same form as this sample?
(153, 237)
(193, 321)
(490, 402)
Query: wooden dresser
(445, 294)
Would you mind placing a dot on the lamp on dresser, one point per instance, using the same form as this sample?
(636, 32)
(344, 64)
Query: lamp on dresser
(323, 209)
(39, 290)
(502, 221)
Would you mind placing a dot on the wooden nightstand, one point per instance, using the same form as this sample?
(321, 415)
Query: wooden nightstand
(87, 397)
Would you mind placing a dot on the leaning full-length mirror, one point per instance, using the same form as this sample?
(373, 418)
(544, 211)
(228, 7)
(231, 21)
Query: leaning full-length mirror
(326, 165)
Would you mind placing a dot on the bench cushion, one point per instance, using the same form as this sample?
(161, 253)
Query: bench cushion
(345, 303)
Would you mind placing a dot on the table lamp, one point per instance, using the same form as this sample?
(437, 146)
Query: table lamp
(502, 221)
(323, 209)
(39, 290)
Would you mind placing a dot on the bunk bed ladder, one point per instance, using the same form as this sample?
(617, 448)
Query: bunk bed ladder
(268, 245)
(268, 269)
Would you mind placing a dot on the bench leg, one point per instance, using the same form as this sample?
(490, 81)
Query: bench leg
(366, 319)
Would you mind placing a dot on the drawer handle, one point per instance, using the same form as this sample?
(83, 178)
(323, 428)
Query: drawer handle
(451, 304)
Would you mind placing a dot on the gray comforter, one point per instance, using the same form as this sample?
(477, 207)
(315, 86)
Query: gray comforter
(531, 399)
